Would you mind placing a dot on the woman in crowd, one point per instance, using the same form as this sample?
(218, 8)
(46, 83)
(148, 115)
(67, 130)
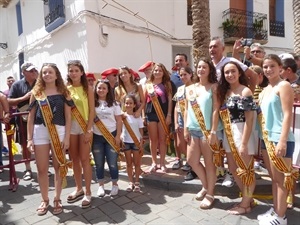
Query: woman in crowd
(42, 129)
(106, 137)
(81, 131)
(237, 114)
(202, 96)
(158, 95)
(276, 105)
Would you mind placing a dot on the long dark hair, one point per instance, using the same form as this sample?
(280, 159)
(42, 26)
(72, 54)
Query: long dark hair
(224, 86)
(109, 97)
(133, 99)
(83, 79)
(212, 76)
(166, 81)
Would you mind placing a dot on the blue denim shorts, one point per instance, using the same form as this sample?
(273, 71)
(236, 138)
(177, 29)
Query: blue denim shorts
(200, 135)
(129, 146)
(180, 120)
(290, 146)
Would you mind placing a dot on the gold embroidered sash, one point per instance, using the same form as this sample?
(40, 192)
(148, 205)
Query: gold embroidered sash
(79, 118)
(290, 173)
(106, 134)
(246, 173)
(180, 98)
(160, 114)
(218, 152)
(54, 138)
(132, 134)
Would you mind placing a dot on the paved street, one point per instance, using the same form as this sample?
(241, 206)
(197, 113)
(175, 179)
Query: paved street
(165, 199)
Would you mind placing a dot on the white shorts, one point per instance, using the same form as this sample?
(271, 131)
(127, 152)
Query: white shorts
(75, 128)
(41, 135)
(237, 132)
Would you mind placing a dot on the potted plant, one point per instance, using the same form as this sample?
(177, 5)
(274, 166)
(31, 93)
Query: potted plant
(257, 28)
(230, 27)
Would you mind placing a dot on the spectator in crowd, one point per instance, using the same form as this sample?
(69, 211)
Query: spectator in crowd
(19, 95)
(146, 69)
(111, 75)
(91, 79)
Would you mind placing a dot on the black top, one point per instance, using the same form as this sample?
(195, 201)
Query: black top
(57, 107)
(237, 105)
(19, 89)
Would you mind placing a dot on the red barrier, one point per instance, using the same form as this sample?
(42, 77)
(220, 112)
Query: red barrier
(13, 180)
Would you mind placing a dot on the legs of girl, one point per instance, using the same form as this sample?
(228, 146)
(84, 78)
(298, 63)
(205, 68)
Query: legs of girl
(162, 147)
(42, 163)
(245, 205)
(153, 138)
(129, 169)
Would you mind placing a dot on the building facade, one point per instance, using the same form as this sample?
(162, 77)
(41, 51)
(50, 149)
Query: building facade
(111, 33)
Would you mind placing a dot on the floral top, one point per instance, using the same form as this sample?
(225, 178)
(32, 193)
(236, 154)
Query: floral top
(237, 105)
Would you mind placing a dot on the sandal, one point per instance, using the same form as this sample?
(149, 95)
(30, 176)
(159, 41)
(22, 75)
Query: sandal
(130, 187)
(75, 196)
(86, 201)
(153, 168)
(137, 187)
(207, 202)
(163, 169)
(43, 208)
(57, 207)
(201, 194)
(239, 210)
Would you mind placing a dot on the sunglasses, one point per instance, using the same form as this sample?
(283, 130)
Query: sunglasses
(49, 64)
(74, 62)
(103, 81)
(256, 51)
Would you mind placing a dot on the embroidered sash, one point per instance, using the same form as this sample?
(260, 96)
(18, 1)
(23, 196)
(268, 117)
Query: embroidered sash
(54, 138)
(132, 134)
(79, 118)
(160, 114)
(106, 134)
(181, 98)
(290, 173)
(218, 152)
(246, 173)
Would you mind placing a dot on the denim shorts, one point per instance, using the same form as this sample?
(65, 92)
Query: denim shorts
(200, 135)
(180, 120)
(290, 146)
(129, 146)
(152, 117)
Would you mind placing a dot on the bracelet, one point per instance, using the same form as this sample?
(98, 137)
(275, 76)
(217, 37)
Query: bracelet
(213, 132)
(29, 140)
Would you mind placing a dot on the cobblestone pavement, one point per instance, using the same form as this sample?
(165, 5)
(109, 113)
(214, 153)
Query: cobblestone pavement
(165, 199)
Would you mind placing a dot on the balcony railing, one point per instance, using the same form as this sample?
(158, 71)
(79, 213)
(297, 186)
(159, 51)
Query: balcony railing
(277, 28)
(55, 18)
(247, 24)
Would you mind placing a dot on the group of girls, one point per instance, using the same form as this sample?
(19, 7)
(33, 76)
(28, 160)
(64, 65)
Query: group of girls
(81, 118)
(225, 110)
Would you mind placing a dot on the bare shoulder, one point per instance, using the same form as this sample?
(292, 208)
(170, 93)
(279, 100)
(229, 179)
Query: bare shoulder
(246, 91)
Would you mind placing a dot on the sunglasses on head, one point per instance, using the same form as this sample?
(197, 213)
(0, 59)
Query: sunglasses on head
(103, 81)
(49, 64)
(70, 62)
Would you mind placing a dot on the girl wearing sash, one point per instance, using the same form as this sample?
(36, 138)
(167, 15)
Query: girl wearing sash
(133, 142)
(186, 75)
(204, 92)
(158, 88)
(276, 103)
(81, 131)
(239, 140)
(51, 85)
(109, 113)
(127, 85)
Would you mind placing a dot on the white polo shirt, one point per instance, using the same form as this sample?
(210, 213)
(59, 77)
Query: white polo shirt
(225, 60)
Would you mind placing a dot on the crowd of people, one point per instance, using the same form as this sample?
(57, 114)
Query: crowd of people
(226, 108)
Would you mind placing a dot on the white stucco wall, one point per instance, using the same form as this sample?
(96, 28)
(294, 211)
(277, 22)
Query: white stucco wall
(127, 41)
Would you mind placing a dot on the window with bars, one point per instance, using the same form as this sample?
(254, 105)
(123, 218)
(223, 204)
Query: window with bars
(54, 12)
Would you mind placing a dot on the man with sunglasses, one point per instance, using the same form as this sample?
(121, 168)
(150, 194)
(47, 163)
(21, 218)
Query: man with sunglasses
(111, 75)
(19, 95)
(253, 54)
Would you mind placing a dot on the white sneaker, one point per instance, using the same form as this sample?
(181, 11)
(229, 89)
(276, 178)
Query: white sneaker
(266, 214)
(273, 219)
(114, 190)
(228, 180)
(101, 191)
(256, 165)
